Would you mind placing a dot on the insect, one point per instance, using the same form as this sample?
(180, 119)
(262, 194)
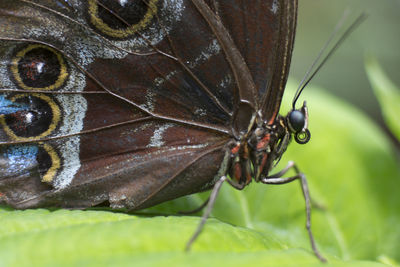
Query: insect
(129, 103)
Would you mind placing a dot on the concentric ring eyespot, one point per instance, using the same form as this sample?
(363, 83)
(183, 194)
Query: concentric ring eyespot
(49, 162)
(39, 67)
(37, 118)
(36, 159)
(121, 19)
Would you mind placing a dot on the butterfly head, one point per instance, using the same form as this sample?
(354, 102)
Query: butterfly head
(297, 123)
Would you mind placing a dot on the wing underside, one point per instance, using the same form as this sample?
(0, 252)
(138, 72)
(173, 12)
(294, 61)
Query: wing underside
(127, 104)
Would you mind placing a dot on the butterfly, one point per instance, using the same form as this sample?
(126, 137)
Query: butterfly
(129, 103)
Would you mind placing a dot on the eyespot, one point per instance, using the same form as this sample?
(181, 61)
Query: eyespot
(296, 121)
(37, 117)
(49, 162)
(39, 67)
(39, 157)
(121, 19)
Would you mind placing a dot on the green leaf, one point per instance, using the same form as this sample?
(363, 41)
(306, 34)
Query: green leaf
(352, 173)
(387, 94)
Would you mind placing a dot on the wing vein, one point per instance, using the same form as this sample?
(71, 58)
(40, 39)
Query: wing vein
(148, 112)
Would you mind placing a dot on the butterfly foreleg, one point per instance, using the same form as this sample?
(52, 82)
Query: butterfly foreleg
(277, 179)
(234, 184)
(210, 205)
(198, 209)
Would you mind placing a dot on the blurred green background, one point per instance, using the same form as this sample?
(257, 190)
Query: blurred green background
(344, 75)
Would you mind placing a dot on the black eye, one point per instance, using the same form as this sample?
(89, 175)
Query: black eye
(297, 121)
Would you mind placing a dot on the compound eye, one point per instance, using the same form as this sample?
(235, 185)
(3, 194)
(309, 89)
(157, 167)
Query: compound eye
(296, 120)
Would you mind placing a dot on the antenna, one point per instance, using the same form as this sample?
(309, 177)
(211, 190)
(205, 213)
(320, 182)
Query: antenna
(307, 77)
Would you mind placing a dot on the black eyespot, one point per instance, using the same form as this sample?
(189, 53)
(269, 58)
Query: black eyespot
(121, 19)
(38, 67)
(37, 117)
(296, 120)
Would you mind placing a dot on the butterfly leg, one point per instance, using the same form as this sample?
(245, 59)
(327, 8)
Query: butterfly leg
(200, 208)
(210, 205)
(277, 179)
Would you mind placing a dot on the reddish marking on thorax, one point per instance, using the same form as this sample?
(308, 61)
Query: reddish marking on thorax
(235, 150)
(263, 142)
(237, 171)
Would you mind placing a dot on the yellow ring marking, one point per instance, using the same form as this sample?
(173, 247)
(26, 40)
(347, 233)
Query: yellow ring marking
(55, 164)
(63, 68)
(56, 119)
(121, 33)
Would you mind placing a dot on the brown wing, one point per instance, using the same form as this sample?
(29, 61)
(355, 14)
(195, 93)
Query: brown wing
(264, 34)
(129, 104)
